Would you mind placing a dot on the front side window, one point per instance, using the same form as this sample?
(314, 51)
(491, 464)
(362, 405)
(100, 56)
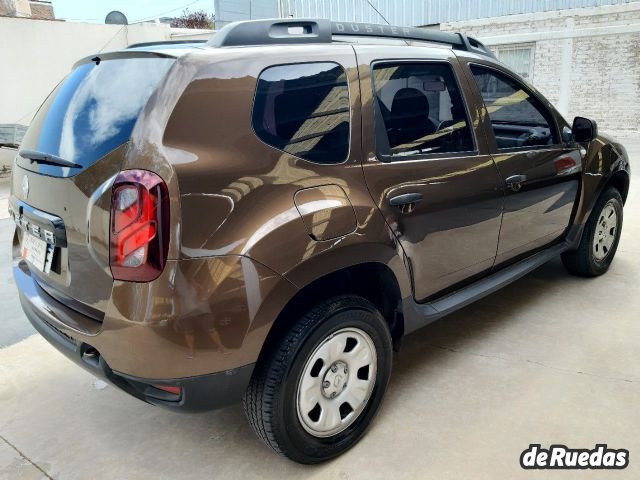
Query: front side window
(303, 109)
(517, 117)
(420, 109)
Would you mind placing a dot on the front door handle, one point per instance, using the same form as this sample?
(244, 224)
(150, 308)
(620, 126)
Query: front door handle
(514, 182)
(406, 202)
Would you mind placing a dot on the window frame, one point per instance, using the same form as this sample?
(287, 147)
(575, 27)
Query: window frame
(532, 93)
(253, 108)
(377, 115)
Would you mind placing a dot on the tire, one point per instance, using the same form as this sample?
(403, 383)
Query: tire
(598, 246)
(277, 406)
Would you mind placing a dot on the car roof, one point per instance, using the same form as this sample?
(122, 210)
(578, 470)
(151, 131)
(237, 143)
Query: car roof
(172, 48)
(322, 31)
(315, 31)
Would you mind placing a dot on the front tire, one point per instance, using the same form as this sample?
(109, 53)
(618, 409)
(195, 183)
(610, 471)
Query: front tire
(313, 396)
(600, 238)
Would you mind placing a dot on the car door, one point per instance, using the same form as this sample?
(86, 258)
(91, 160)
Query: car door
(426, 168)
(541, 173)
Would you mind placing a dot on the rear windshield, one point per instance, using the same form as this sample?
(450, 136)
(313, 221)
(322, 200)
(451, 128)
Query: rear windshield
(92, 111)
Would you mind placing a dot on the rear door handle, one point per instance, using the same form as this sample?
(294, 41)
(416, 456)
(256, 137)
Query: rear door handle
(406, 202)
(514, 182)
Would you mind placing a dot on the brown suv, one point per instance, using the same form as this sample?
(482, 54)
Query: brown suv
(264, 216)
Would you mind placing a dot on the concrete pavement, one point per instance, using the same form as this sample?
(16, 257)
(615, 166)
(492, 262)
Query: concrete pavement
(551, 359)
(14, 324)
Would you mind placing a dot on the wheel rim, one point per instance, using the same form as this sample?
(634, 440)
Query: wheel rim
(336, 382)
(606, 231)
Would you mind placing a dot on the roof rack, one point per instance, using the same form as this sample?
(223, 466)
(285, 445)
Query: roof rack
(165, 42)
(301, 31)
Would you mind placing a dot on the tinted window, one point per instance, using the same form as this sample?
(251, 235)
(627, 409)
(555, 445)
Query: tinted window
(93, 111)
(421, 110)
(518, 118)
(303, 109)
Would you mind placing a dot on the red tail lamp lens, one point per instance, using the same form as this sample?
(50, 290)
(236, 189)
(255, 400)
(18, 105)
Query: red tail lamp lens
(139, 237)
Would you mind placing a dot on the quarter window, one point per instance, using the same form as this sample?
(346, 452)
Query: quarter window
(421, 109)
(517, 117)
(303, 109)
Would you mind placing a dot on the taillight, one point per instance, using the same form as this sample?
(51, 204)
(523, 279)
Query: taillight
(139, 237)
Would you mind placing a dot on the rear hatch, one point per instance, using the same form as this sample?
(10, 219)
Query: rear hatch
(62, 178)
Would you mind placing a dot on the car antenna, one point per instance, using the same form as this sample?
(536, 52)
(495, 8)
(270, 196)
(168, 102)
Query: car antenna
(382, 16)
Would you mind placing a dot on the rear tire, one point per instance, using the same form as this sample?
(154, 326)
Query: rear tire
(600, 238)
(299, 400)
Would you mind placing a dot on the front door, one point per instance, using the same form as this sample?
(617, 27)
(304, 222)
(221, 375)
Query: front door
(425, 167)
(541, 173)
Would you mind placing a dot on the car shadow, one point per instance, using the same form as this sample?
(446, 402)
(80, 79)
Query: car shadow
(425, 346)
(483, 317)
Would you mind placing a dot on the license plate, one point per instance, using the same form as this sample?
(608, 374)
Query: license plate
(35, 251)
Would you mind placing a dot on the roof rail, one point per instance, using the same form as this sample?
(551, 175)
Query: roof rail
(164, 42)
(301, 31)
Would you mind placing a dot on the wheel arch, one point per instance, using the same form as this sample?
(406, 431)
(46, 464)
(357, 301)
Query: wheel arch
(375, 281)
(620, 181)
(606, 164)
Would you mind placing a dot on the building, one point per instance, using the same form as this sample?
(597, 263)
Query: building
(37, 9)
(416, 13)
(584, 55)
(585, 60)
(228, 11)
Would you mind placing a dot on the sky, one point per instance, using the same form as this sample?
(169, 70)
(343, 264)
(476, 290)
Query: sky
(134, 10)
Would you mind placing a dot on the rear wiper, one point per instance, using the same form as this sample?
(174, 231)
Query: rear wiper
(47, 158)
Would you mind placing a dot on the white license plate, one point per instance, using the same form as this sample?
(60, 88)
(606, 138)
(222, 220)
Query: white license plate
(34, 251)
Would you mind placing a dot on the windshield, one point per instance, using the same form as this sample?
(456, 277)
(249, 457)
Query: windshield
(92, 111)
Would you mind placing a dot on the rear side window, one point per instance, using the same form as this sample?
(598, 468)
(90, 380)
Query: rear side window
(517, 117)
(420, 109)
(303, 109)
(93, 111)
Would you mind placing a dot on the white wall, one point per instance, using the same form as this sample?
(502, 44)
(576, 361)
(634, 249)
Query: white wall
(586, 60)
(36, 54)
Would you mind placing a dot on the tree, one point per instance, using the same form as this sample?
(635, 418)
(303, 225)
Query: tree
(197, 19)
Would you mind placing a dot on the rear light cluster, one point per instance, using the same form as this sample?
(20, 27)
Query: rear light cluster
(139, 237)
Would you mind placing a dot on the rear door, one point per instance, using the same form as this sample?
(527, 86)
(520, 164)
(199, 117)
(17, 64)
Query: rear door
(426, 168)
(61, 182)
(540, 171)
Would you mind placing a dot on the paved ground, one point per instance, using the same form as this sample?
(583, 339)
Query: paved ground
(14, 326)
(550, 359)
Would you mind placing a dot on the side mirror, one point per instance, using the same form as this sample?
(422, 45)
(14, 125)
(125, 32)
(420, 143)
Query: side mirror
(584, 130)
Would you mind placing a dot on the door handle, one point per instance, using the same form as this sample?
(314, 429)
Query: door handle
(406, 202)
(514, 182)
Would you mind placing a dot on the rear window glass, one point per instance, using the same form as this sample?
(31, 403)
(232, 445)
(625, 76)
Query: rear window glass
(303, 109)
(93, 111)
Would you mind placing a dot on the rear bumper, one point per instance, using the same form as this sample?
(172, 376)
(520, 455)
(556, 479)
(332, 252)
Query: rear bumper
(198, 393)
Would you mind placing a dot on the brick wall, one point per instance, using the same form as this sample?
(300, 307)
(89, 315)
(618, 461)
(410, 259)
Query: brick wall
(586, 61)
(42, 10)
